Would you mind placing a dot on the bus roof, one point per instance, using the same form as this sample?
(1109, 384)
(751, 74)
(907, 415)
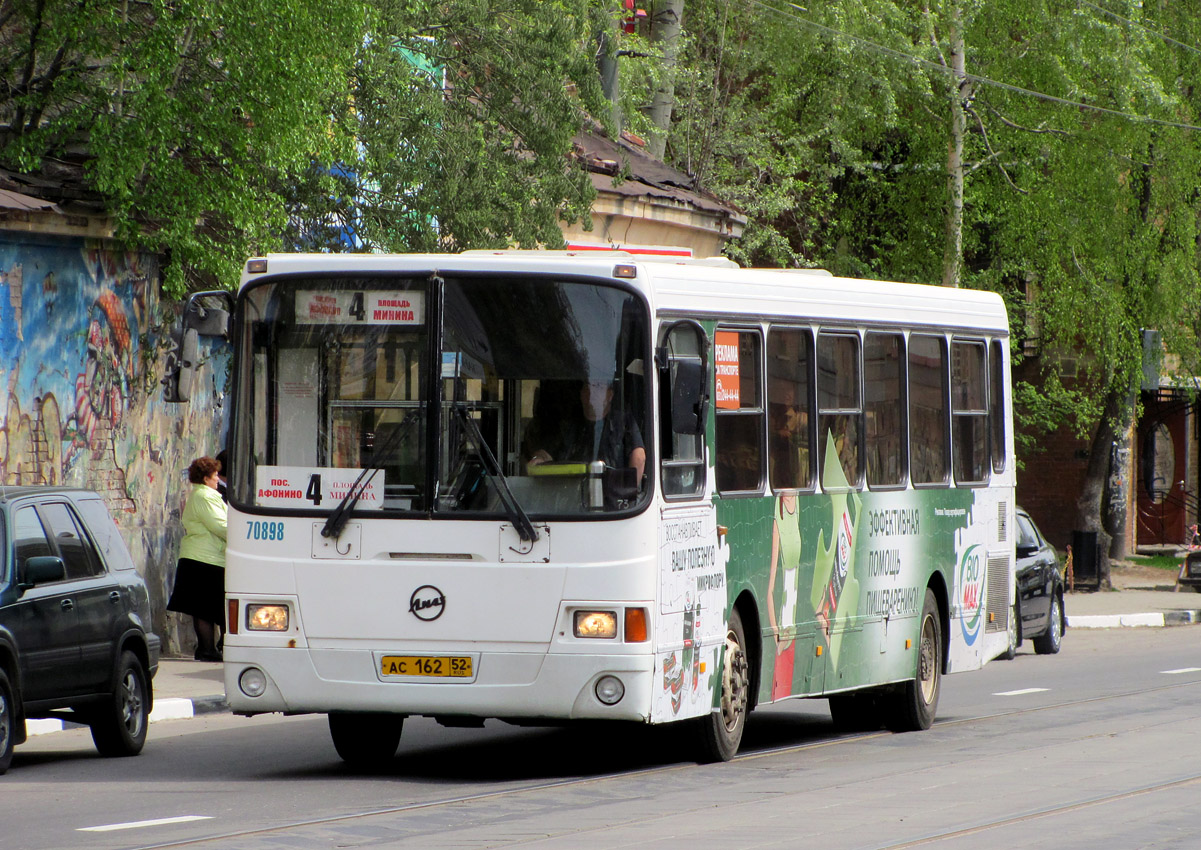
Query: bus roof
(695, 287)
(774, 293)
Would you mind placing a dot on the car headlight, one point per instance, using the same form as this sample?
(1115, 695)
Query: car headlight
(267, 618)
(595, 624)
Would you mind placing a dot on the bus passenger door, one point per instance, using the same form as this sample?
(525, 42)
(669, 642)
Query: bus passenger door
(690, 620)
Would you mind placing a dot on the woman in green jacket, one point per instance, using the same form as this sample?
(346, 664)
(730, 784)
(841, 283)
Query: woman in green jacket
(200, 575)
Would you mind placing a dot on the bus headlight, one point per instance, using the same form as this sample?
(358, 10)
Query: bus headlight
(267, 618)
(595, 624)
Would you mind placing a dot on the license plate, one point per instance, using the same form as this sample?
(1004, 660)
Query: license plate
(434, 666)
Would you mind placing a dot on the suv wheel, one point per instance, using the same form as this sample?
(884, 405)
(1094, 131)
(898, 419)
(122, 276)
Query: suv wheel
(119, 725)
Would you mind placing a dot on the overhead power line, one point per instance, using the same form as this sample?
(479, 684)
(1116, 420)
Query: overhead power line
(975, 78)
(1143, 27)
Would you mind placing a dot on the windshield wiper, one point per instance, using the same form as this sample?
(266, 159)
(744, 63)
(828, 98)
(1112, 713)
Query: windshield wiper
(338, 517)
(517, 515)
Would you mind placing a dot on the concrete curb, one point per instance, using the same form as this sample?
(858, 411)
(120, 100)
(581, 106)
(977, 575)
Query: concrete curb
(169, 708)
(1152, 620)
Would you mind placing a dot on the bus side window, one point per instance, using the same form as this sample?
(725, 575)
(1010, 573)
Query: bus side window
(738, 439)
(790, 408)
(839, 408)
(996, 413)
(969, 412)
(884, 409)
(681, 455)
(929, 428)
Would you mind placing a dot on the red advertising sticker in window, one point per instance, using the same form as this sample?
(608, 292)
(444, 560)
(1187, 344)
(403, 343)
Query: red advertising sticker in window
(725, 366)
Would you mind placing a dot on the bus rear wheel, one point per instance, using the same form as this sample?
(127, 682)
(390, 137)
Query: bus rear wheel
(366, 740)
(915, 703)
(721, 731)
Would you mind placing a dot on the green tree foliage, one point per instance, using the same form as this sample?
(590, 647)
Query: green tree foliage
(184, 113)
(216, 130)
(463, 120)
(1083, 200)
(831, 126)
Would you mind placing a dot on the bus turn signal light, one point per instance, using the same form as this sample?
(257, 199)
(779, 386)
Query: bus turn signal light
(635, 625)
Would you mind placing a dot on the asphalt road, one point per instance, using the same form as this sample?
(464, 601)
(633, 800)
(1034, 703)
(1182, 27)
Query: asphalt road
(1092, 748)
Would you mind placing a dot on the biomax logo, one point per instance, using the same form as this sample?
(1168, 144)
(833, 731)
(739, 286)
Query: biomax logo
(971, 593)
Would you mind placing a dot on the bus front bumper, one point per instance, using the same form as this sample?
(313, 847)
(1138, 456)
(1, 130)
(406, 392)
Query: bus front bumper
(507, 685)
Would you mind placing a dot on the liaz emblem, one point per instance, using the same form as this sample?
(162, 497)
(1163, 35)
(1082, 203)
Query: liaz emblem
(427, 603)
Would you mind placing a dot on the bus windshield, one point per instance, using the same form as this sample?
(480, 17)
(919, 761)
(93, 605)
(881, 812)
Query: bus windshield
(441, 395)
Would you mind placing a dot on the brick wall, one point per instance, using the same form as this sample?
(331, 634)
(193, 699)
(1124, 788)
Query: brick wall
(1049, 481)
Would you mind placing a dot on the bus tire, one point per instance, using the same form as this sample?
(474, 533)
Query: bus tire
(1048, 642)
(721, 730)
(366, 740)
(916, 701)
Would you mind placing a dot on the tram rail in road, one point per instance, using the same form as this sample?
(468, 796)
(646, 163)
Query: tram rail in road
(816, 777)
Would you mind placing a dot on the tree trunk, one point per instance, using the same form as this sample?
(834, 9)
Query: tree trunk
(606, 66)
(665, 31)
(1092, 489)
(953, 247)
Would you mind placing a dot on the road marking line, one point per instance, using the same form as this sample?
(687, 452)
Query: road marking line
(1021, 692)
(1181, 670)
(138, 824)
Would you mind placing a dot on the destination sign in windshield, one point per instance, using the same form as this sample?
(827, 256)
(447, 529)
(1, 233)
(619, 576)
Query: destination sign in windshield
(369, 307)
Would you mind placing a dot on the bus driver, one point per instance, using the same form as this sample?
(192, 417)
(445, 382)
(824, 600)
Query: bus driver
(600, 433)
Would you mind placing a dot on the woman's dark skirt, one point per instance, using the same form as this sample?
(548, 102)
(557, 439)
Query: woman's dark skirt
(199, 591)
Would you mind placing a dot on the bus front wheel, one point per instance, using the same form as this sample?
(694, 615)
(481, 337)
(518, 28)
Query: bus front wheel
(916, 701)
(366, 740)
(721, 730)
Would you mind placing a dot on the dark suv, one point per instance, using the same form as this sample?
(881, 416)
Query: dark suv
(75, 639)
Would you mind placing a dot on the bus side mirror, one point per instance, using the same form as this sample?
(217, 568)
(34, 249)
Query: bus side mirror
(689, 398)
(200, 318)
(206, 320)
(181, 367)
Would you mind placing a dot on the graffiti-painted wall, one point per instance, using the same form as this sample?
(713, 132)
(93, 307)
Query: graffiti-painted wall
(82, 338)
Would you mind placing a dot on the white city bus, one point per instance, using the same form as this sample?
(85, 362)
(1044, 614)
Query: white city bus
(539, 486)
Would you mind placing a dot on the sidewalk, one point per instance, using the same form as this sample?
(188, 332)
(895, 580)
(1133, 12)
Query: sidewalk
(182, 689)
(1141, 597)
(186, 688)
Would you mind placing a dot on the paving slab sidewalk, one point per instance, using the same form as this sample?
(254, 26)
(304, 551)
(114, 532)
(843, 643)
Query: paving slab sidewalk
(1134, 602)
(186, 688)
(1138, 598)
